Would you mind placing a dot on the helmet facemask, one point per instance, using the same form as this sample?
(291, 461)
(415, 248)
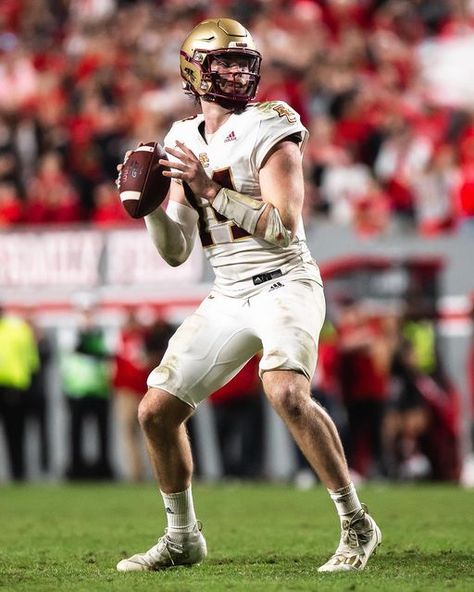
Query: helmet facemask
(234, 75)
(219, 62)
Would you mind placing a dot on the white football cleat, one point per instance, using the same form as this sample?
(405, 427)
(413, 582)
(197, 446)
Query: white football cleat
(360, 538)
(170, 551)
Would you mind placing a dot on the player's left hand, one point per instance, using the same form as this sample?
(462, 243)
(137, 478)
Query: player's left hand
(190, 170)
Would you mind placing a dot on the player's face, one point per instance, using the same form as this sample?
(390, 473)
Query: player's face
(233, 73)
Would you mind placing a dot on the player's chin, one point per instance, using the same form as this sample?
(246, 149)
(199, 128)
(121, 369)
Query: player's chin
(234, 90)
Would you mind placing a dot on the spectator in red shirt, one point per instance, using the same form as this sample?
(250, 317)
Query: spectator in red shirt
(108, 210)
(402, 157)
(131, 372)
(238, 412)
(10, 205)
(465, 198)
(367, 345)
(434, 190)
(50, 197)
(372, 211)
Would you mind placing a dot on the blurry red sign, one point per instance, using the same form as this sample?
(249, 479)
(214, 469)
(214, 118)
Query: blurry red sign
(62, 259)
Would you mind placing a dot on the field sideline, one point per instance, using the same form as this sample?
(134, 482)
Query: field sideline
(260, 537)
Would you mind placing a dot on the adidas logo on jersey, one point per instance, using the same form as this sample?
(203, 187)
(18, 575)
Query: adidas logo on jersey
(275, 286)
(231, 137)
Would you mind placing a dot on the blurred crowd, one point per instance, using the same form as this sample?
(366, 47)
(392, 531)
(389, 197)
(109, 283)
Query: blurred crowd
(384, 86)
(384, 379)
(380, 376)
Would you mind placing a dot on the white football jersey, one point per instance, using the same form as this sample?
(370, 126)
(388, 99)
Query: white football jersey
(233, 157)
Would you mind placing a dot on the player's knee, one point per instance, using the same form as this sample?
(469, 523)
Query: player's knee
(288, 400)
(150, 412)
(160, 412)
(145, 414)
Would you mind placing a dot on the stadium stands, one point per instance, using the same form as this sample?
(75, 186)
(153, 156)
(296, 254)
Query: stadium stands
(391, 146)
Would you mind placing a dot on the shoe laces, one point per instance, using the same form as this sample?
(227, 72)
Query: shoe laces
(168, 546)
(353, 532)
(165, 545)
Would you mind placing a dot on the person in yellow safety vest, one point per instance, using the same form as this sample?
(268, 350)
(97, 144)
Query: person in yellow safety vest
(18, 361)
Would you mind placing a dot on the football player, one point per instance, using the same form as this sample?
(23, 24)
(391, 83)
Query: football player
(237, 179)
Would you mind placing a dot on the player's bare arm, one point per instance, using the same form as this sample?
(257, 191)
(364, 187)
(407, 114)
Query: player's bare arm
(282, 185)
(275, 216)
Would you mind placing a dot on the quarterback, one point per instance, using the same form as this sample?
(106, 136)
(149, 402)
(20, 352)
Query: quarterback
(237, 180)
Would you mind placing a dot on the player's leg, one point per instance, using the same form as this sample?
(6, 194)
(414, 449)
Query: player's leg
(289, 333)
(309, 424)
(206, 351)
(162, 417)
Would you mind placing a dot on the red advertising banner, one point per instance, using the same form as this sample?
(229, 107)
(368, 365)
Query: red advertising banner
(51, 264)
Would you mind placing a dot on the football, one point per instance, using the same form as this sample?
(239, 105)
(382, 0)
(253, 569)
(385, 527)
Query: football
(141, 185)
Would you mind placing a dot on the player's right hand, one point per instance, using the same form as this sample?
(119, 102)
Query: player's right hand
(125, 158)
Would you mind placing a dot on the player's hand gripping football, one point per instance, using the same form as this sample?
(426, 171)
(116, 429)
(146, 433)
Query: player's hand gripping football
(190, 170)
(120, 166)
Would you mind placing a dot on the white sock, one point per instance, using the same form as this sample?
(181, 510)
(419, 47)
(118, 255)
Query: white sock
(346, 501)
(179, 509)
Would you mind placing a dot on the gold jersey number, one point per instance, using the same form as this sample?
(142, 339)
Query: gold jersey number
(214, 228)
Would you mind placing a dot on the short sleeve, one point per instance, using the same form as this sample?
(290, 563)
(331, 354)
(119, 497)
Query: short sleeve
(277, 121)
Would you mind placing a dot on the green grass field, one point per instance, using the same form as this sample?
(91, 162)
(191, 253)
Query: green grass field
(260, 537)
